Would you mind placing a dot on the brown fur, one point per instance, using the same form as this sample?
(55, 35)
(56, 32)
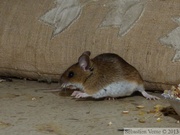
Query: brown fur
(107, 68)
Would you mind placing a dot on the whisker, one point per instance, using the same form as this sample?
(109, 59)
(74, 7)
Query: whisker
(50, 90)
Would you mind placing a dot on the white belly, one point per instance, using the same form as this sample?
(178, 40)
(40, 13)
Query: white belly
(118, 89)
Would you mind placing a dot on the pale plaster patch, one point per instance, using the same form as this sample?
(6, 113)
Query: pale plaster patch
(124, 14)
(63, 15)
(172, 40)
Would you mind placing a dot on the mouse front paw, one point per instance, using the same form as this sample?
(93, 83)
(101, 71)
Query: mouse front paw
(79, 94)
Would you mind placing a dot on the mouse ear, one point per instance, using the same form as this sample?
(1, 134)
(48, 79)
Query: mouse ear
(84, 60)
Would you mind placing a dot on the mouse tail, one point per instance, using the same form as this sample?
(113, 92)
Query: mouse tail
(141, 89)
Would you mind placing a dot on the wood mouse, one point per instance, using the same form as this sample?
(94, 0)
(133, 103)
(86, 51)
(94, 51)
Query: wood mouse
(106, 75)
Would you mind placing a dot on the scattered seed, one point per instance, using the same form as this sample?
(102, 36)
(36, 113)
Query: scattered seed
(125, 112)
(158, 108)
(158, 114)
(151, 111)
(140, 106)
(33, 99)
(110, 123)
(142, 113)
(159, 120)
(142, 120)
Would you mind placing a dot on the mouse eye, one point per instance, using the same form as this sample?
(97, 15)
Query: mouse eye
(71, 74)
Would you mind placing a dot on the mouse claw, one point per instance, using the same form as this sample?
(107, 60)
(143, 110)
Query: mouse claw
(110, 98)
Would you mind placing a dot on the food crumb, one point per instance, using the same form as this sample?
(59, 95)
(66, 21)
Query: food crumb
(125, 112)
(142, 120)
(140, 106)
(110, 123)
(159, 120)
(33, 99)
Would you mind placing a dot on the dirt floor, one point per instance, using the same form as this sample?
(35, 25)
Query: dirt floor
(26, 111)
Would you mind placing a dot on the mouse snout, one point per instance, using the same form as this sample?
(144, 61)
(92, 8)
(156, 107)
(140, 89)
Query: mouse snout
(62, 80)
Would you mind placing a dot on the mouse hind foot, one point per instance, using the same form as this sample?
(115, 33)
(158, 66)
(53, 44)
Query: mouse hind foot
(148, 96)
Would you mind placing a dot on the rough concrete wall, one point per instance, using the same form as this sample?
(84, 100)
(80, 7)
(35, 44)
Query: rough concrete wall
(172, 40)
(137, 30)
(122, 14)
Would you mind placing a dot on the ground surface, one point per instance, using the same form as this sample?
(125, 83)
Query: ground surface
(25, 111)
